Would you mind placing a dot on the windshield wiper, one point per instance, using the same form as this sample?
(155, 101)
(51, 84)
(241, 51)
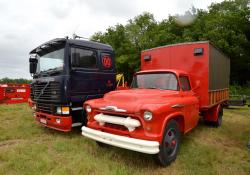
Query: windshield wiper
(43, 73)
(153, 87)
(51, 71)
(54, 70)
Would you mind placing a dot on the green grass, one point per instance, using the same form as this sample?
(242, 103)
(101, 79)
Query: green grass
(28, 148)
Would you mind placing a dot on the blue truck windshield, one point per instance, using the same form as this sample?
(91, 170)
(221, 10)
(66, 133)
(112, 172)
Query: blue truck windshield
(51, 61)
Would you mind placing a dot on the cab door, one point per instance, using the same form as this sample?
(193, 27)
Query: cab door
(107, 79)
(88, 79)
(84, 71)
(191, 108)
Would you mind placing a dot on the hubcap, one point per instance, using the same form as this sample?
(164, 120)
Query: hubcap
(170, 142)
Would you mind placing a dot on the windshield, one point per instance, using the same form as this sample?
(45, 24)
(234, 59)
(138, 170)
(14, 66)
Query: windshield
(165, 81)
(51, 61)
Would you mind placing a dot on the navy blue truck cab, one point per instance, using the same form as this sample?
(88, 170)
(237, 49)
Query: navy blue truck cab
(66, 73)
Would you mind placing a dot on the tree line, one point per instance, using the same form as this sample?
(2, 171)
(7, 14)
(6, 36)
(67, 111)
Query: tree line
(15, 81)
(225, 24)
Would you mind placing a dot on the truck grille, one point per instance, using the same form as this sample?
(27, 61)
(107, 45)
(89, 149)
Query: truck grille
(114, 126)
(46, 108)
(45, 92)
(118, 127)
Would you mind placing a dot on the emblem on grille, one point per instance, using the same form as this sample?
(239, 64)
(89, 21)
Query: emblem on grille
(113, 108)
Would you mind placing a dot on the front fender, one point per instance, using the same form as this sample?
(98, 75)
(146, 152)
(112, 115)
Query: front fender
(176, 114)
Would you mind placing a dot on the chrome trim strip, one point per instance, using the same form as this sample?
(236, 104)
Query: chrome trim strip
(113, 108)
(76, 124)
(177, 106)
(77, 108)
(128, 122)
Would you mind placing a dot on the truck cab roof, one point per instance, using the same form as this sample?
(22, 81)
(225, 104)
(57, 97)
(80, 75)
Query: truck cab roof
(85, 43)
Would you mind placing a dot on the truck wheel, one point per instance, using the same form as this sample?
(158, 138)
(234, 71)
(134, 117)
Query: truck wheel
(170, 144)
(219, 119)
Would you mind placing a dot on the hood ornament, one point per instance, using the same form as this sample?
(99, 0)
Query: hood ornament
(113, 108)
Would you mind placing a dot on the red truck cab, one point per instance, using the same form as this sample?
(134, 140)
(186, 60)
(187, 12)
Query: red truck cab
(164, 101)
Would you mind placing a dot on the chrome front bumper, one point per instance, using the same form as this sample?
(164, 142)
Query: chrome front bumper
(143, 146)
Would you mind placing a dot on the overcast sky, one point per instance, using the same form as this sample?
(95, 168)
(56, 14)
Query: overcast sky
(25, 24)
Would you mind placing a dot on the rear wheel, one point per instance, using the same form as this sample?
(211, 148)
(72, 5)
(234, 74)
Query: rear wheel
(218, 122)
(170, 144)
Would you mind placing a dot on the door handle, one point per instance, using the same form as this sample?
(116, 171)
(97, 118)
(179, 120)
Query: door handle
(178, 106)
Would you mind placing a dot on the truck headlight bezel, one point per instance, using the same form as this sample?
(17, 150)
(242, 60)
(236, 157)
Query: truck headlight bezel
(147, 115)
(63, 110)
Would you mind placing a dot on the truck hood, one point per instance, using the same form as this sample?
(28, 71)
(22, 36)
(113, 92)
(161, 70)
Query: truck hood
(134, 100)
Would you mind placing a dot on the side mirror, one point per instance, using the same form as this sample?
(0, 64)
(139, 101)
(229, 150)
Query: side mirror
(33, 64)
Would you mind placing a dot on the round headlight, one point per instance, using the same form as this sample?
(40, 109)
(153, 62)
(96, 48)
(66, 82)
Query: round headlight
(88, 108)
(148, 115)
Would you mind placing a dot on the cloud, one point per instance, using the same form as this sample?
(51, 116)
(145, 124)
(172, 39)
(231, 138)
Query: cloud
(26, 24)
(122, 8)
(61, 8)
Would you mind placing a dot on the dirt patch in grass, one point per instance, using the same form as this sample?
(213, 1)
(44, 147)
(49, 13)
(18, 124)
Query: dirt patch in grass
(8, 143)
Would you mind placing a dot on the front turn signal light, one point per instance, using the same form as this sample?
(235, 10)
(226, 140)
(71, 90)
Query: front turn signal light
(65, 110)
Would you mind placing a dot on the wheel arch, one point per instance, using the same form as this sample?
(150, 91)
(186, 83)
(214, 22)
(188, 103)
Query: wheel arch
(178, 117)
(212, 113)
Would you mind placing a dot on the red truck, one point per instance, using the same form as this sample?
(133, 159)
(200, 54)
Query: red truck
(176, 85)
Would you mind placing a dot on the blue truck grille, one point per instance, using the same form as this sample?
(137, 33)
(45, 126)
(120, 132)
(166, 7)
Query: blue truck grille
(45, 92)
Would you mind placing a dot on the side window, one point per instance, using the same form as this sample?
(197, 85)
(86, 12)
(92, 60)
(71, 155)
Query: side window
(83, 58)
(185, 85)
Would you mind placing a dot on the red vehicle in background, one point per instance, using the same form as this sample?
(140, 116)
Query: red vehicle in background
(14, 93)
(176, 84)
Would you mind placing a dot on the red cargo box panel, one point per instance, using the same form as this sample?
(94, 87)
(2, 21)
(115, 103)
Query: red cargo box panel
(14, 93)
(209, 69)
(1, 93)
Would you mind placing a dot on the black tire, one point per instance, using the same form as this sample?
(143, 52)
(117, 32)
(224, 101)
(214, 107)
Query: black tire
(170, 144)
(218, 123)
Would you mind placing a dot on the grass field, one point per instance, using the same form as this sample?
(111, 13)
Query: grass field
(28, 148)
